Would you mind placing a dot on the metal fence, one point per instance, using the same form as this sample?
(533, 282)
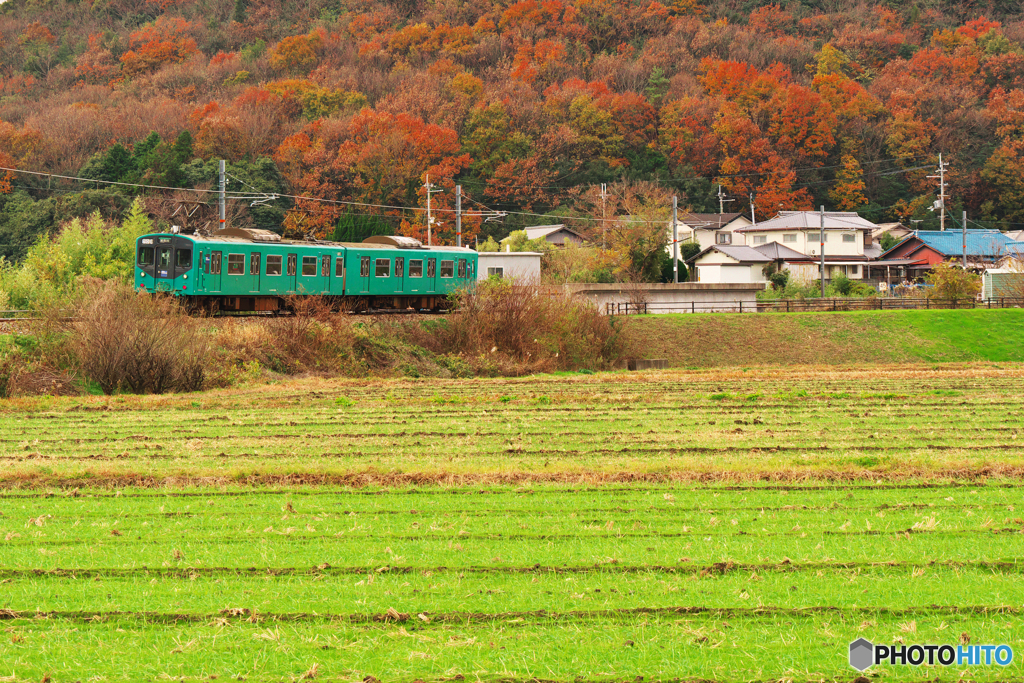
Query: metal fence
(810, 305)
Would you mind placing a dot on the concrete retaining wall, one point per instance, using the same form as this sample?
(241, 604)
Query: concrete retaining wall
(685, 297)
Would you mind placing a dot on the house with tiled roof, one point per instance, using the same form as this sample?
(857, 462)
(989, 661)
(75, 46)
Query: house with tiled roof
(923, 249)
(728, 263)
(849, 246)
(709, 228)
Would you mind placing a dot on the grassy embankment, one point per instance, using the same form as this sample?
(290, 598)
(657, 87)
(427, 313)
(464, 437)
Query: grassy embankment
(724, 340)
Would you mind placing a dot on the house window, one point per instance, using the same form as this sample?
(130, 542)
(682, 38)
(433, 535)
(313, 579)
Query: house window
(273, 264)
(723, 238)
(236, 264)
(416, 268)
(309, 265)
(383, 267)
(496, 272)
(855, 271)
(789, 238)
(849, 238)
(760, 239)
(447, 268)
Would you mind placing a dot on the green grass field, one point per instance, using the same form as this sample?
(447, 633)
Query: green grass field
(723, 339)
(736, 525)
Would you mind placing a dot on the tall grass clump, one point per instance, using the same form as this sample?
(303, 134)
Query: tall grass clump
(127, 340)
(498, 322)
(313, 338)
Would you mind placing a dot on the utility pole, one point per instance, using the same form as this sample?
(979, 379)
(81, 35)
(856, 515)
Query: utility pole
(458, 215)
(430, 219)
(941, 170)
(223, 197)
(722, 200)
(675, 240)
(753, 217)
(604, 225)
(965, 239)
(822, 213)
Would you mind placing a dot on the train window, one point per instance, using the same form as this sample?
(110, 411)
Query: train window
(183, 258)
(462, 267)
(274, 264)
(399, 267)
(163, 259)
(146, 256)
(309, 265)
(447, 268)
(325, 266)
(291, 264)
(236, 264)
(364, 266)
(383, 267)
(416, 268)
(339, 267)
(254, 263)
(431, 267)
(215, 258)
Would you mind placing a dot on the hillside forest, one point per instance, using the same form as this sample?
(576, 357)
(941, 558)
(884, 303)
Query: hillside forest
(342, 109)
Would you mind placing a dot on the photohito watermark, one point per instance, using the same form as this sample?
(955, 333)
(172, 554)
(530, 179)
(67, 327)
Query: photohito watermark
(863, 654)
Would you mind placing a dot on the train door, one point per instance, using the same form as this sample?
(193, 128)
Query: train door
(164, 271)
(364, 273)
(324, 286)
(292, 273)
(431, 275)
(212, 271)
(399, 281)
(254, 271)
(338, 281)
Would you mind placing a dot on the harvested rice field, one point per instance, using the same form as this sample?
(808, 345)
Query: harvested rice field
(741, 525)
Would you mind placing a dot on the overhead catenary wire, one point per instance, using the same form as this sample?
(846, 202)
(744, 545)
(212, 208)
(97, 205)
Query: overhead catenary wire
(392, 207)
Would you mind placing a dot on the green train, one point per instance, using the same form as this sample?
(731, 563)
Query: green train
(237, 270)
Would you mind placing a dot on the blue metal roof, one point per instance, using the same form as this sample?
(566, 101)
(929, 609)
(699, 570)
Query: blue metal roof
(986, 243)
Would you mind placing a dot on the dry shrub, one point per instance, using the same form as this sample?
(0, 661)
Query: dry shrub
(500, 321)
(38, 380)
(129, 340)
(314, 338)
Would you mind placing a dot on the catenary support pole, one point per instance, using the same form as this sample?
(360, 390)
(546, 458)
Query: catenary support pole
(823, 251)
(458, 215)
(675, 240)
(223, 193)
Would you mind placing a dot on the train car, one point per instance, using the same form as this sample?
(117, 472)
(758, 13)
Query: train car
(255, 270)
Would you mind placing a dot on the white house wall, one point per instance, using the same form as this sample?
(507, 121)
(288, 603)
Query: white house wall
(809, 242)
